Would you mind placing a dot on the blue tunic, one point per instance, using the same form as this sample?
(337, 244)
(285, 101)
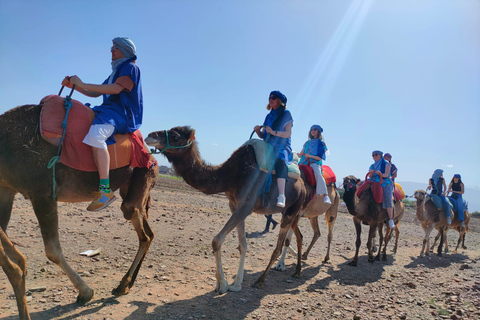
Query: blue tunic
(281, 146)
(123, 110)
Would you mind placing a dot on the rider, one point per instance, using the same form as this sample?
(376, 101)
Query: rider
(277, 131)
(120, 112)
(382, 167)
(457, 188)
(313, 152)
(437, 184)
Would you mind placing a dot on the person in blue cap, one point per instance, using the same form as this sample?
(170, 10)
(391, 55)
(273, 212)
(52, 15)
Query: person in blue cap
(120, 112)
(381, 168)
(277, 131)
(312, 154)
(457, 188)
(437, 184)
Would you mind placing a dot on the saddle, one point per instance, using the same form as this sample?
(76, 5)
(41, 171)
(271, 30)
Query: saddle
(327, 173)
(129, 148)
(376, 187)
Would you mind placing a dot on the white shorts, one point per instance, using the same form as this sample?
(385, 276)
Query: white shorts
(98, 134)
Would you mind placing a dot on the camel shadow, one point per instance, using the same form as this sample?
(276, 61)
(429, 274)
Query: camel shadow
(434, 261)
(234, 305)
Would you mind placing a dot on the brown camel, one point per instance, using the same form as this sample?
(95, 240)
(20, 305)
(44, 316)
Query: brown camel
(456, 225)
(365, 210)
(430, 217)
(242, 181)
(330, 218)
(24, 156)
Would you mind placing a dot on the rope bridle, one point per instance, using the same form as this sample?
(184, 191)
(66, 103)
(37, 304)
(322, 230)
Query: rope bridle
(154, 150)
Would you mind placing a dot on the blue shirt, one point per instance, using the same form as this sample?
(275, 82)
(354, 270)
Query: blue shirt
(281, 146)
(125, 109)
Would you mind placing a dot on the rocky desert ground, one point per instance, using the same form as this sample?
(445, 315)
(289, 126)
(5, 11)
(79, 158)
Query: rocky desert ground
(177, 278)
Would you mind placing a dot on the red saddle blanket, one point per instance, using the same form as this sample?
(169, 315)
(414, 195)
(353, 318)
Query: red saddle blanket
(377, 190)
(328, 174)
(129, 149)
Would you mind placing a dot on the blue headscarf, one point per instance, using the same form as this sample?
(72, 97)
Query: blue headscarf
(456, 175)
(279, 95)
(436, 175)
(316, 126)
(126, 47)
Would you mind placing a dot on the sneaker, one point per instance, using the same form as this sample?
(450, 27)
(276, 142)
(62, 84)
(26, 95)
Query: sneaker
(281, 201)
(274, 225)
(102, 199)
(391, 224)
(449, 220)
(326, 199)
(463, 224)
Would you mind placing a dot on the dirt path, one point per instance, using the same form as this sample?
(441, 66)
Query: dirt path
(177, 278)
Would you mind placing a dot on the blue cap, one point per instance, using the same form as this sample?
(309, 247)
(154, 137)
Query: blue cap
(279, 95)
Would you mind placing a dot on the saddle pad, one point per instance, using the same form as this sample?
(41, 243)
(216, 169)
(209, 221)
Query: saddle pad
(399, 193)
(128, 149)
(377, 190)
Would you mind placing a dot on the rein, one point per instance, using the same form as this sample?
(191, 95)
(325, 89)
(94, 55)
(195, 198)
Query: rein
(154, 150)
(51, 164)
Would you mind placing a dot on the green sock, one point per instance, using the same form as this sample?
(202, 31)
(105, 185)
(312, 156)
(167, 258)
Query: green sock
(104, 184)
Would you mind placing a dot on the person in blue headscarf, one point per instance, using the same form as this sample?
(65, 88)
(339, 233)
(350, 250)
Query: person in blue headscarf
(437, 184)
(457, 188)
(381, 168)
(312, 154)
(277, 131)
(120, 112)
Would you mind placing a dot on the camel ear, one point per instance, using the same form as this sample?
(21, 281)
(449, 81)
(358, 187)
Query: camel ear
(192, 135)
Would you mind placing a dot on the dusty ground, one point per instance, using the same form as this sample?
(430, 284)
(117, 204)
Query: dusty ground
(178, 276)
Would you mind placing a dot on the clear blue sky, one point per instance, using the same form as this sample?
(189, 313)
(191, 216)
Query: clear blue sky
(400, 76)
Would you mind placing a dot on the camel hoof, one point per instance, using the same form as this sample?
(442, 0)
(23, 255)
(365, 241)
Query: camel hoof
(222, 287)
(235, 288)
(371, 260)
(384, 258)
(352, 263)
(258, 284)
(82, 299)
(280, 267)
(304, 257)
(326, 260)
(440, 254)
(121, 290)
(377, 258)
(297, 275)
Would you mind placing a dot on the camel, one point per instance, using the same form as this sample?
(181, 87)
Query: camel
(242, 181)
(456, 225)
(24, 156)
(330, 218)
(365, 210)
(430, 217)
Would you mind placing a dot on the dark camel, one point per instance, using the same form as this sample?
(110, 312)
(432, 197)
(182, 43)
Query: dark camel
(24, 156)
(330, 218)
(365, 210)
(430, 218)
(241, 180)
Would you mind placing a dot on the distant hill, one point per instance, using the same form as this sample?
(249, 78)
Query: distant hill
(472, 196)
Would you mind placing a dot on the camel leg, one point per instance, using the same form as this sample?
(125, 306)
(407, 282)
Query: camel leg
(426, 240)
(437, 237)
(330, 221)
(358, 242)
(442, 239)
(316, 235)
(242, 247)
(463, 240)
(461, 234)
(289, 220)
(46, 211)
(397, 235)
(280, 266)
(239, 215)
(145, 237)
(13, 263)
(388, 236)
(135, 205)
(445, 239)
(371, 236)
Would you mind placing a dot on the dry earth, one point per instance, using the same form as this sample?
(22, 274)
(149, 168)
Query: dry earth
(178, 276)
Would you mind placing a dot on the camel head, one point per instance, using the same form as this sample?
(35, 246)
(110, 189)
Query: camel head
(171, 142)
(420, 195)
(350, 183)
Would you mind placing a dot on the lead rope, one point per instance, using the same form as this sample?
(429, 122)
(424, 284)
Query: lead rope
(51, 164)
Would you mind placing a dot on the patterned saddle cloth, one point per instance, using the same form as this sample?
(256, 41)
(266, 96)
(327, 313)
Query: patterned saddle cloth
(129, 149)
